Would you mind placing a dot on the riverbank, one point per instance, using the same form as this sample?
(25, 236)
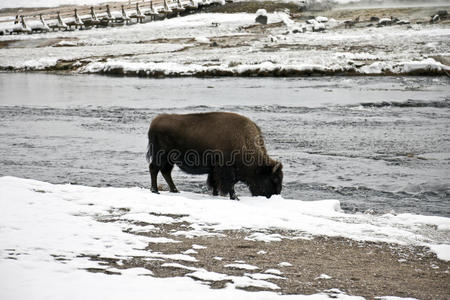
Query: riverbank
(232, 44)
(276, 246)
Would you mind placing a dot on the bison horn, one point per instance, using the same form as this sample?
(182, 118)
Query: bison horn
(276, 167)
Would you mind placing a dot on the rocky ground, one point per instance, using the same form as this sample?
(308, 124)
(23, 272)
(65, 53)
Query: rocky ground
(295, 265)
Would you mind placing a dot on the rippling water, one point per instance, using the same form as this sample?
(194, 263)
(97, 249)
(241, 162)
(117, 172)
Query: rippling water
(378, 144)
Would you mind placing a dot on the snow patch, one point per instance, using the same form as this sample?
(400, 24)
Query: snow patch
(162, 240)
(179, 266)
(442, 251)
(241, 266)
(190, 251)
(323, 276)
(259, 236)
(202, 40)
(208, 276)
(80, 206)
(40, 221)
(261, 276)
(261, 12)
(273, 271)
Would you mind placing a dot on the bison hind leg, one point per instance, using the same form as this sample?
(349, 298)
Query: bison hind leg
(166, 171)
(154, 169)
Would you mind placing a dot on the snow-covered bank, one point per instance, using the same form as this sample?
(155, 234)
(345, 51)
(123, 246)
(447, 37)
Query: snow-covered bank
(48, 233)
(324, 217)
(117, 67)
(192, 46)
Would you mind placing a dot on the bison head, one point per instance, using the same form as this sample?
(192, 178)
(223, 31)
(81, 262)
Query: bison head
(268, 180)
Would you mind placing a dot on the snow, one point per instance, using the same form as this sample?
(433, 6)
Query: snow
(321, 19)
(238, 281)
(243, 282)
(442, 251)
(273, 271)
(47, 3)
(248, 280)
(323, 276)
(208, 216)
(208, 276)
(241, 266)
(50, 280)
(40, 222)
(285, 264)
(198, 247)
(154, 48)
(179, 266)
(384, 20)
(261, 276)
(259, 236)
(319, 26)
(261, 12)
(190, 251)
(202, 40)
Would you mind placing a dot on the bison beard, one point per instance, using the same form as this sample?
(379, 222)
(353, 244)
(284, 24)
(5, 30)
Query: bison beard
(226, 146)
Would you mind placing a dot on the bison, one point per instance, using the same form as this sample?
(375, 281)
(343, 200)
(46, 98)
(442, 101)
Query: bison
(226, 146)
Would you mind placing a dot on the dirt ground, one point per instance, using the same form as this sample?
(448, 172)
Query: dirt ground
(357, 268)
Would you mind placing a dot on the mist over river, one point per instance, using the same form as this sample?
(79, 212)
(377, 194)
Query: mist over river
(377, 144)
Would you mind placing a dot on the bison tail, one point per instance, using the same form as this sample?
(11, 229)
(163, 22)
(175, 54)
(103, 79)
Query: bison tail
(151, 147)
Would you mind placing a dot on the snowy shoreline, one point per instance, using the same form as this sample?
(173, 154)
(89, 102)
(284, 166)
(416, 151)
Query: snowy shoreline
(316, 218)
(75, 236)
(191, 46)
(426, 67)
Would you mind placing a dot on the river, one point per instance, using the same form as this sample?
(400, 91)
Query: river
(378, 144)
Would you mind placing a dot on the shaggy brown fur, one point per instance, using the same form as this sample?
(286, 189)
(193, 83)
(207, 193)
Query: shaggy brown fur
(226, 146)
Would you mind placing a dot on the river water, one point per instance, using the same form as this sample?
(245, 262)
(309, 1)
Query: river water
(378, 144)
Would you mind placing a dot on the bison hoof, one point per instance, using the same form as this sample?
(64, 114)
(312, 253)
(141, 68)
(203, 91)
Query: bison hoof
(234, 197)
(174, 191)
(155, 191)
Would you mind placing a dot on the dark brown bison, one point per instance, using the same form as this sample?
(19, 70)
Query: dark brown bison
(226, 146)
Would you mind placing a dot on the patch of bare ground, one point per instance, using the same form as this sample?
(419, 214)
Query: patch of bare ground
(253, 6)
(358, 268)
(35, 43)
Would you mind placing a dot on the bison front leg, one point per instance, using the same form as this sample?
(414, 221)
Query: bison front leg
(227, 178)
(154, 169)
(212, 183)
(233, 194)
